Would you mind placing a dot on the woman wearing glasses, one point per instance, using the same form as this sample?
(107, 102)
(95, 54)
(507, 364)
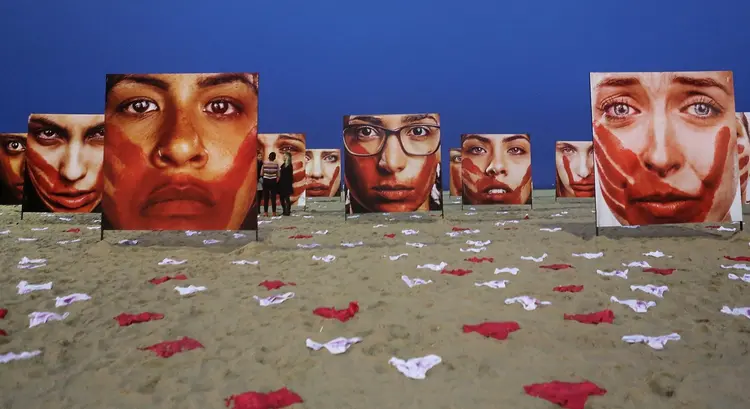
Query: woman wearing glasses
(392, 163)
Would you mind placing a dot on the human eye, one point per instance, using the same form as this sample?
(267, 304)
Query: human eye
(15, 146)
(288, 147)
(567, 150)
(516, 151)
(139, 106)
(419, 131)
(618, 109)
(222, 107)
(308, 157)
(366, 132)
(47, 136)
(702, 108)
(476, 150)
(456, 159)
(96, 133)
(331, 158)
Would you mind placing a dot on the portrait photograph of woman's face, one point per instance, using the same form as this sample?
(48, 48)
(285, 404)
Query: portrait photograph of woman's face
(496, 169)
(574, 161)
(455, 172)
(391, 162)
(179, 152)
(743, 152)
(665, 147)
(12, 167)
(281, 143)
(323, 172)
(64, 156)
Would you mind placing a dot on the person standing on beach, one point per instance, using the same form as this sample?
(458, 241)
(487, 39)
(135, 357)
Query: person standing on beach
(259, 187)
(270, 173)
(286, 184)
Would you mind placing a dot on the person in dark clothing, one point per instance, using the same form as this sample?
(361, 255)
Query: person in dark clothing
(259, 188)
(270, 173)
(285, 188)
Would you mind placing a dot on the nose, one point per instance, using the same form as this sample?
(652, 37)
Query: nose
(180, 145)
(392, 158)
(662, 155)
(317, 170)
(73, 168)
(583, 169)
(497, 166)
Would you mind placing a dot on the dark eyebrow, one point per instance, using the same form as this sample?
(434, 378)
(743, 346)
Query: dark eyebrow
(512, 138)
(47, 123)
(12, 136)
(292, 137)
(221, 79)
(561, 145)
(700, 83)
(618, 82)
(367, 118)
(482, 139)
(114, 79)
(417, 118)
(94, 128)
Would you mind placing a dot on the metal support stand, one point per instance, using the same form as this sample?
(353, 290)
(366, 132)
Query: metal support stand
(597, 231)
(742, 225)
(101, 233)
(21, 213)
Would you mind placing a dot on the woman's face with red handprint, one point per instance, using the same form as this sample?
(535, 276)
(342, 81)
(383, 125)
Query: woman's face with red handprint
(743, 150)
(496, 169)
(665, 145)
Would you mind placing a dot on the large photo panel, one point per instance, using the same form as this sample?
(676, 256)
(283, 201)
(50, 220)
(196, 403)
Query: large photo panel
(743, 152)
(179, 152)
(574, 161)
(496, 169)
(392, 163)
(454, 172)
(665, 148)
(323, 172)
(283, 146)
(64, 154)
(12, 168)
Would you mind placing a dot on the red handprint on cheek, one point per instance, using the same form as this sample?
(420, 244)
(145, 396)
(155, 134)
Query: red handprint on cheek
(639, 196)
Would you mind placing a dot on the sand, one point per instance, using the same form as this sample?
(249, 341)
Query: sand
(88, 361)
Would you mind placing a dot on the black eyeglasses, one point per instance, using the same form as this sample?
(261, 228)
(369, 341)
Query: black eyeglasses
(369, 140)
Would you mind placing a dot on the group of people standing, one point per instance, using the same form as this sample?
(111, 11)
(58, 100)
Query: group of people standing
(275, 179)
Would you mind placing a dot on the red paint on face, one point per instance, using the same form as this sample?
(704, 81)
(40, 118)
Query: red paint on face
(57, 194)
(582, 188)
(203, 205)
(483, 181)
(648, 199)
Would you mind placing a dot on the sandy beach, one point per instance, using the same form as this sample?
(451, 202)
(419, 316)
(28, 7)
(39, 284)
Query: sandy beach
(88, 361)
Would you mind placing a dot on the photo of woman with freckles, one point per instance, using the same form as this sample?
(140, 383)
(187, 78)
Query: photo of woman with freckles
(12, 168)
(665, 148)
(64, 155)
(323, 172)
(180, 152)
(294, 144)
(392, 163)
(455, 172)
(574, 161)
(743, 152)
(496, 169)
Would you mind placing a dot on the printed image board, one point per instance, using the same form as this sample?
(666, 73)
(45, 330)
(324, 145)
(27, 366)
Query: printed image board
(282, 144)
(574, 162)
(392, 163)
(12, 168)
(64, 157)
(743, 152)
(454, 174)
(496, 169)
(179, 152)
(665, 148)
(323, 172)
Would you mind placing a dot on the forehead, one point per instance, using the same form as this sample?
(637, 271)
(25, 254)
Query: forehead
(68, 121)
(396, 119)
(271, 138)
(493, 138)
(455, 151)
(658, 80)
(322, 151)
(179, 80)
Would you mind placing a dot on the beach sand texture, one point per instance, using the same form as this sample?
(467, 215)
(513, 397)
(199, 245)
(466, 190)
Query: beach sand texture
(88, 361)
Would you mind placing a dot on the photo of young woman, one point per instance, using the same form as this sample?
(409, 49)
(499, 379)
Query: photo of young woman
(294, 144)
(323, 172)
(455, 172)
(665, 148)
(64, 156)
(496, 169)
(12, 167)
(392, 163)
(743, 152)
(574, 161)
(179, 152)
